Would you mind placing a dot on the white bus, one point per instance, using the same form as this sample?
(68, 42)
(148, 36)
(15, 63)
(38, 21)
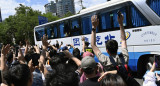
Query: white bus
(141, 22)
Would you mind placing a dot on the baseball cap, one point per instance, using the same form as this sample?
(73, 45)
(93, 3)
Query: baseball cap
(64, 48)
(88, 54)
(88, 63)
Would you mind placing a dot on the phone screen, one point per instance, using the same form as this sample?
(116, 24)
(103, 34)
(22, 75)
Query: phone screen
(157, 62)
(17, 51)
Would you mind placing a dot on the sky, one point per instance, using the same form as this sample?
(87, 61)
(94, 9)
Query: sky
(8, 6)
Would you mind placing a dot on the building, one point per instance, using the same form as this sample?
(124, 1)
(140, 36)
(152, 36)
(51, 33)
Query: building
(64, 6)
(51, 7)
(0, 16)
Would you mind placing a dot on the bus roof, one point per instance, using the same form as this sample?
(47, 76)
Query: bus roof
(89, 10)
(104, 5)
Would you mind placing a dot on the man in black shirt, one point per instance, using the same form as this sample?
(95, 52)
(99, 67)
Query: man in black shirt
(89, 67)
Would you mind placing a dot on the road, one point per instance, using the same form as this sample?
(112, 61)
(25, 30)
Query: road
(140, 81)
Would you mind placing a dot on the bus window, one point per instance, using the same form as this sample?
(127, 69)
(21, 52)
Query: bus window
(86, 25)
(105, 21)
(54, 33)
(154, 5)
(75, 27)
(115, 19)
(138, 20)
(66, 28)
(39, 33)
(61, 27)
(49, 30)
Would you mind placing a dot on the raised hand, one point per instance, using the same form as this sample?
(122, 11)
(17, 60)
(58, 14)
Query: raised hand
(30, 65)
(44, 41)
(67, 54)
(27, 42)
(95, 21)
(120, 19)
(158, 77)
(5, 49)
(83, 38)
(153, 67)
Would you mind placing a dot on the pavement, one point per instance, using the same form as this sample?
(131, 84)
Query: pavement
(140, 81)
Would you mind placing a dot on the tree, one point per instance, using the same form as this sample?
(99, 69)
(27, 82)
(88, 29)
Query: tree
(19, 26)
(50, 17)
(68, 14)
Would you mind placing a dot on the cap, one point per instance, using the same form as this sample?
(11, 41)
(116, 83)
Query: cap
(64, 48)
(88, 62)
(88, 54)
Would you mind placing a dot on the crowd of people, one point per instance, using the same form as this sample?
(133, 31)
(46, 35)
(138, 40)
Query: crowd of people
(54, 65)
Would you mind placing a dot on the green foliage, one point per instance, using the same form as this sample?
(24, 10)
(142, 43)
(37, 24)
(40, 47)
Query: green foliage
(68, 14)
(50, 17)
(21, 25)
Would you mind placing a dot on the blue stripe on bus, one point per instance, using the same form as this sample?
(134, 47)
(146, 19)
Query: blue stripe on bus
(133, 58)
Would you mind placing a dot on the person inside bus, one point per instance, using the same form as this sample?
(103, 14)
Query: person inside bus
(52, 35)
(111, 46)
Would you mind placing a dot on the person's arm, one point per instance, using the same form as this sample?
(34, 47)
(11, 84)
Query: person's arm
(83, 42)
(123, 40)
(26, 48)
(44, 48)
(149, 78)
(43, 68)
(123, 35)
(4, 52)
(43, 55)
(95, 23)
(37, 49)
(21, 57)
(54, 47)
(108, 72)
(69, 55)
(61, 44)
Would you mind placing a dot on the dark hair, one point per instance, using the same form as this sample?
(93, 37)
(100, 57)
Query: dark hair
(62, 76)
(112, 46)
(18, 75)
(34, 57)
(52, 52)
(76, 53)
(55, 60)
(112, 80)
(86, 43)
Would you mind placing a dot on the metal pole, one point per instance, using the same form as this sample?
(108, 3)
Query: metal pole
(27, 24)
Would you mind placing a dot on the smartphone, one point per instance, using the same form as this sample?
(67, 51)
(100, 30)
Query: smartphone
(119, 13)
(17, 48)
(157, 62)
(35, 58)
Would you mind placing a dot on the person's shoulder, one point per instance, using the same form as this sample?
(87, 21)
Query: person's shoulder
(102, 55)
(2, 84)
